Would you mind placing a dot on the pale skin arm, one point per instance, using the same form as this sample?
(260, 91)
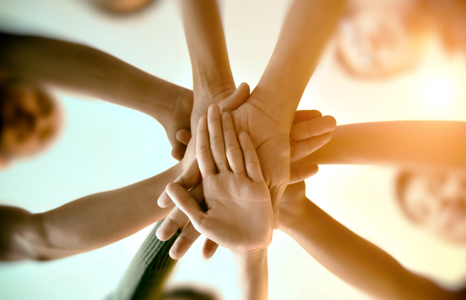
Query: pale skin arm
(416, 144)
(85, 224)
(97, 74)
(350, 257)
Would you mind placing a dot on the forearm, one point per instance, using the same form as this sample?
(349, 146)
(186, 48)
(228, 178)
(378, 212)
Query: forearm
(357, 261)
(304, 34)
(252, 274)
(87, 71)
(207, 47)
(424, 144)
(97, 220)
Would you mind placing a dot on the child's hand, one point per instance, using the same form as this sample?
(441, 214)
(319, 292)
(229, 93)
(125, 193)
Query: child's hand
(239, 212)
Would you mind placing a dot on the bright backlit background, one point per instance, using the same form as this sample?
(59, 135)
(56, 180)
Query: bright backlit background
(104, 146)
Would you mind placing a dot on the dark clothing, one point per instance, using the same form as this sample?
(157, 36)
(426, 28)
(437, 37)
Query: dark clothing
(150, 267)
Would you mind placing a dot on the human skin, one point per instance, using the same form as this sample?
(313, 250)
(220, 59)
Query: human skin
(309, 132)
(84, 224)
(417, 145)
(100, 219)
(268, 113)
(239, 213)
(85, 70)
(350, 257)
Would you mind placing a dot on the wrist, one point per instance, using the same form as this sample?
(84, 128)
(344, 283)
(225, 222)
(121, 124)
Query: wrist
(250, 256)
(295, 217)
(280, 108)
(252, 273)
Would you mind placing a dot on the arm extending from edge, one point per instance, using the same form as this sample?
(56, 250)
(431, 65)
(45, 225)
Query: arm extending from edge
(85, 224)
(425, 144)
(350, 257)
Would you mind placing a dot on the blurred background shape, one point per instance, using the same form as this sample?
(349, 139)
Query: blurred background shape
(103, 146)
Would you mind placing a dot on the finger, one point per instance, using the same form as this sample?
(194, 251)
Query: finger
(186, 203)
(204, 155)
(217, 143)
(304, 148)
(178, 152)
(318, 126)
(176, 219)
(183, 136)
(305, 115)
(233, 150)
(303, 172)
(236, 99)
(188, 179)
(184, 241)
(209, 248)
(251, 160)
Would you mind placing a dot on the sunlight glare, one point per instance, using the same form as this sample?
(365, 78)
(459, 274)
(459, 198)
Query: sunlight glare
(438, 90)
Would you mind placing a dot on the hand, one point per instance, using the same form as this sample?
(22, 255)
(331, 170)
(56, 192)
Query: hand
(309, 132)
(292, 204)
(227, 97)
(270, 134)
(239, 213)
(177, 124)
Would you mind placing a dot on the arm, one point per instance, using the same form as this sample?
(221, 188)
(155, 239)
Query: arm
(304, 34)
(438, 144)
(350, 257)
(239, 214)
(97, 74)
(252, 274)
(85, 224)
(212, 77)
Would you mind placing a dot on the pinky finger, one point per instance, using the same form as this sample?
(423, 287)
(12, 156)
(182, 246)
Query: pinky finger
(303, 172)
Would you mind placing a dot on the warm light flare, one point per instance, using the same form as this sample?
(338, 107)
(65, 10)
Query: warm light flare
(439, 90)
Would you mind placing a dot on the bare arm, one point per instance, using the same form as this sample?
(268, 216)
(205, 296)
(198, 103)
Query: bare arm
(252, 274)
(85, 224)
(212, 77)
(350, 257)
(437, 144)
(97, 74)
(304, 34)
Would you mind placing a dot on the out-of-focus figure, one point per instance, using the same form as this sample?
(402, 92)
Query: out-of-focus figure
(122, 7)
(384, 38)
(29, 119)
(436, 201)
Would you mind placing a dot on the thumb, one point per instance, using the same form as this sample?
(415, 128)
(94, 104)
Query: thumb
(186, 203)
(236, 99)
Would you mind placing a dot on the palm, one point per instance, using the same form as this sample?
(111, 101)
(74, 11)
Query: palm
(235, 205)
(271, 140)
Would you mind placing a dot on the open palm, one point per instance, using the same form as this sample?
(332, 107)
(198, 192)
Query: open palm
(239, 213)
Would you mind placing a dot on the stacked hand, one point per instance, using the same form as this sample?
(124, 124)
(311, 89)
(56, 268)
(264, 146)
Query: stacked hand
(239, 212)
(309, 132)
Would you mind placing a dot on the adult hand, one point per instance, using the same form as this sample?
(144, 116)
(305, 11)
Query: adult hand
(239, 213)
(309, 132)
